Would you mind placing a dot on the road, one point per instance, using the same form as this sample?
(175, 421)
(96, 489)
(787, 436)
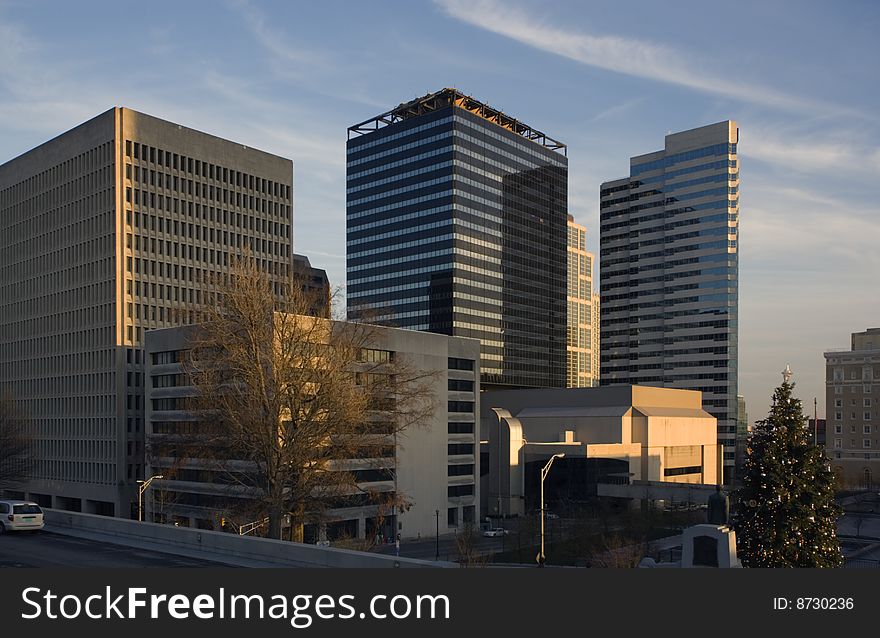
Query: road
(45, 549)
(427, 549)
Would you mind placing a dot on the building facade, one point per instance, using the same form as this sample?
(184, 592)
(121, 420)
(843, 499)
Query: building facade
(852, 414)
(433, 465)
(113, 228)
(456, 224)
(315, 285)
(669, 271)
(583, 321)
(615, 436)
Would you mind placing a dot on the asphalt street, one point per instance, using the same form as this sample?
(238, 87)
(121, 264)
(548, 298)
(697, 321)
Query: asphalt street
(44, 549)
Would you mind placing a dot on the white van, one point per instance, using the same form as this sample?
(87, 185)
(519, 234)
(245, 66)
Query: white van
(20, 515)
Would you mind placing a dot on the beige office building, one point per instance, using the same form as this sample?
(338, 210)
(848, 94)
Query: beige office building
(616, 435)
(852, 391)
(582, 315)
(432, 467)
(108, 230)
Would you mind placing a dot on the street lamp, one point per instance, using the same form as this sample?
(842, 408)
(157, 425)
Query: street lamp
(544, 473)
(437, 554)
(142, 487)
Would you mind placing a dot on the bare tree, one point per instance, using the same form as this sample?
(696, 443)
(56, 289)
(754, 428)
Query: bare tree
(620, 552)
(298, 405)
(16, 448)
(469, 555)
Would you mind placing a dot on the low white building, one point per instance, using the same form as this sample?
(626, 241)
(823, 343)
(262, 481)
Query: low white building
(434, 465)
(616, 435)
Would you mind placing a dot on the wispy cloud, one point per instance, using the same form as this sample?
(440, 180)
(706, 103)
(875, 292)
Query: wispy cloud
(811, 155)
(639, 58)
(312, 69)
(617, 110)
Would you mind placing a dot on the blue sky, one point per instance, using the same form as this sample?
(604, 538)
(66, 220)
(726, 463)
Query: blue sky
(610, 79)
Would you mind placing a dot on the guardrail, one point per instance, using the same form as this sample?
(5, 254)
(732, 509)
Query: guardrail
(218, 546)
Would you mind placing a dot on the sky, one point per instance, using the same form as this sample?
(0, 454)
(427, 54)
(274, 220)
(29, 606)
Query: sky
(609, 79)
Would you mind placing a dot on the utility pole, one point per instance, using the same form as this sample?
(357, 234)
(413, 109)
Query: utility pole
(816, 421)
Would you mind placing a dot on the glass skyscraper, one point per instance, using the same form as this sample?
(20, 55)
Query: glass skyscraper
(457, 225)
(669, 271)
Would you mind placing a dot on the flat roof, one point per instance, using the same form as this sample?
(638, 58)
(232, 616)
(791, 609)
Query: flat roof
(453, 97)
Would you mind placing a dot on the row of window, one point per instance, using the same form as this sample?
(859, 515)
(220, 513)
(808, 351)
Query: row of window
(675, 158)
(838, 443)
(838, 416)
(207, 170)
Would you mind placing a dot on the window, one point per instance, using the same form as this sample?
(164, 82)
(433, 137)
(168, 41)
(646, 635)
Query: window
(866, 443)
(461, 364)
(866, 429)
(458, 427)
(459, 490)
(866, 403)
(468, 448)
(838, 443)
(169, 356)
(867, 416)
(460, 470)
(681, 471)
(838, 429)
(452, 517)
(461, 385)
(838, 416)
(461, 406)
(368, 355)
(838, 389)
(838, 403)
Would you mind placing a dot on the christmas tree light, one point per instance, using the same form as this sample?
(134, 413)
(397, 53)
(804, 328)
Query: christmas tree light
(787, 516)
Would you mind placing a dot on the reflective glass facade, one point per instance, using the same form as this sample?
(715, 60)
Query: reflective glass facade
(457, 225)
(669, 271)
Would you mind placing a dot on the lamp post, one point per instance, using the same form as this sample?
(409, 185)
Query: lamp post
(544, 473)
(142, 487)
(437, 554)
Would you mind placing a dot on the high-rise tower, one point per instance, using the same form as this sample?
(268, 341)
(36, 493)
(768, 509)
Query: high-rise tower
(457, 224)
(110, 229)
(669, 269)
(583, 320)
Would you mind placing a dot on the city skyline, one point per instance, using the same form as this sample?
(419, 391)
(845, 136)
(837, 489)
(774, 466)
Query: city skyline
(809, 149)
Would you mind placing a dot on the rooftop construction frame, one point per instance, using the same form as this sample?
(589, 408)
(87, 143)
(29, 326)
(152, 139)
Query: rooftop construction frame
(452, 97)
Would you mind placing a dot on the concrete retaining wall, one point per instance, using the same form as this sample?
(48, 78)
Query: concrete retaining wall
(220, 547)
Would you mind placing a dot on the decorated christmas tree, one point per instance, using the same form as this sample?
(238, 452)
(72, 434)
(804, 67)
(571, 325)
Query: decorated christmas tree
(786, 515)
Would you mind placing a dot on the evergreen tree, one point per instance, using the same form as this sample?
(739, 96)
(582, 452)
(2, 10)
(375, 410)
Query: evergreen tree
(787, 516)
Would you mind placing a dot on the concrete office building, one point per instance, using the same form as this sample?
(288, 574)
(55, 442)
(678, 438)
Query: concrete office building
(115, 227)
(610, 436)
(669, 271)
(433, 466)
(314, 284)
(852, 433)
(583, 321)
(456, 224)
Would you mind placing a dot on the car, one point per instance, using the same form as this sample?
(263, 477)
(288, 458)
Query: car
(494, 531)
(20, 516)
